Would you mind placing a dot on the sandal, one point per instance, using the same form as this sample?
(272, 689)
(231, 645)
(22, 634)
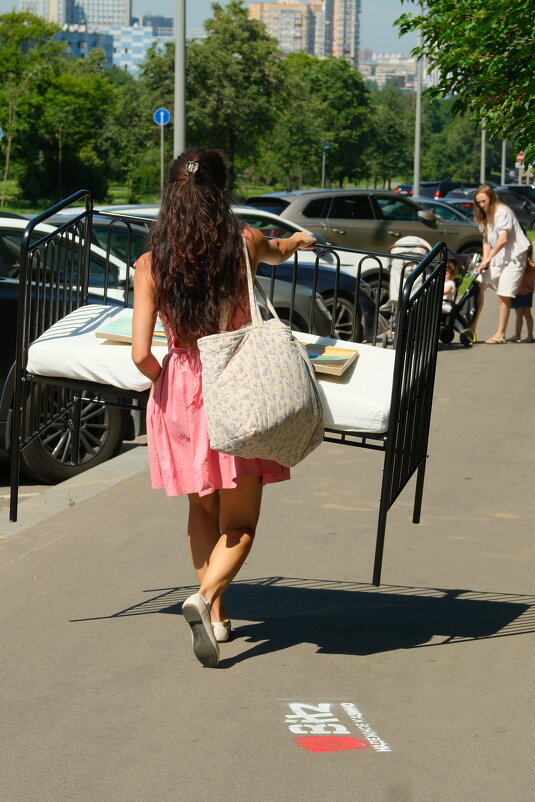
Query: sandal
(495, 340)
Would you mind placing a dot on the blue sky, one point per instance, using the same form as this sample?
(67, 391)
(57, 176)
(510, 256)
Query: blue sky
(377, 17)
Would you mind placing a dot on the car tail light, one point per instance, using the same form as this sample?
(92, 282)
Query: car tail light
(437, 194)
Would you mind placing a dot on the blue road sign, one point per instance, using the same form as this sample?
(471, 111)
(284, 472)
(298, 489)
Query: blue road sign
(161, 116)
(1, 133)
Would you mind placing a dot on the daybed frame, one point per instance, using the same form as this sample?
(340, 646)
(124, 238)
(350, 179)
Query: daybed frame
(54, 281)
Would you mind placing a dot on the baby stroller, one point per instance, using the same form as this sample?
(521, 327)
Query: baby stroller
(459, 312)
(399, 269)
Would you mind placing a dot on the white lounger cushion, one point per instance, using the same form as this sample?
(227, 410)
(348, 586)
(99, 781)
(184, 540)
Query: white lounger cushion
(71, 350)
(359, 400)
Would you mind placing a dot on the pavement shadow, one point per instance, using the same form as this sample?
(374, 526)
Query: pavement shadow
(354, 618)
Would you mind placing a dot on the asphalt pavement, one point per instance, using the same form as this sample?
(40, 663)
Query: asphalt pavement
(331, 689)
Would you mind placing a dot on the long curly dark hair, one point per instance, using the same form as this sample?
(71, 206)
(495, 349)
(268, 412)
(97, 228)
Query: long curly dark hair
(197, 247)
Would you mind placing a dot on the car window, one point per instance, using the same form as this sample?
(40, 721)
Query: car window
(396, 208)
(271, 228)
(119, 240)
(267, 204)
(9, 256)
(352, 207)
(447, 212)
(319, 207)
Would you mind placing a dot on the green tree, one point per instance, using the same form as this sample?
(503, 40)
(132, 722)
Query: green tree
(68, 120)
(347, 116)
(28, 53)
(232, 77)
(391, 151)
(291, 150)
(484, 55)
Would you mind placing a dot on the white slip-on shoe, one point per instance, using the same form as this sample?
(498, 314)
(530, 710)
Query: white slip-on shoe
(222, 630)
(196, 611)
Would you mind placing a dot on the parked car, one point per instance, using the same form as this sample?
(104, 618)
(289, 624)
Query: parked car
(523, 208)
(369, 219)
(525, 190)
(103, 428)
(404, 189)
(273, 225)
(439, 189)
(48, 459)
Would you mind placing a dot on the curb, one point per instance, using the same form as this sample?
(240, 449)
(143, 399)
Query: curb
(90, 483)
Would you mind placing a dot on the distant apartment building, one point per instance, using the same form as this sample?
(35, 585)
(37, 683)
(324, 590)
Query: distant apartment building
(130, 45)
(93, 14)
(80, 43)
(321, 28)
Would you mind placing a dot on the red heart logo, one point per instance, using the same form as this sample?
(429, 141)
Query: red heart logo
(327, 743)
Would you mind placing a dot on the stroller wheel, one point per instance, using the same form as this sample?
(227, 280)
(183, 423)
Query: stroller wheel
(467, 337)
(446, 334)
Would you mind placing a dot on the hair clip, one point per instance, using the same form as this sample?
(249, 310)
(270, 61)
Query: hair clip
(192, 167)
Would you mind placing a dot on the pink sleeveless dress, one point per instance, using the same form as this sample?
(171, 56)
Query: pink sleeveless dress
(180, 457)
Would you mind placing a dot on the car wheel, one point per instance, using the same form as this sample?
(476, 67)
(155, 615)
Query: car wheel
(343, 318)
(50, 458)
(373, 282)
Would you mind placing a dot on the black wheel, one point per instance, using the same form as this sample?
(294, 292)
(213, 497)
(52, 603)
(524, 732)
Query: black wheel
(446, 334)
(467, 338)
(373, 281)
(343, 318)
(50, 457)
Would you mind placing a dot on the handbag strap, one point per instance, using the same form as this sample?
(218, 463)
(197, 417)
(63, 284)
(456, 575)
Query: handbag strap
(256, 315)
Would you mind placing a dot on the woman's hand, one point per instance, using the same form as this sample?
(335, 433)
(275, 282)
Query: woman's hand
(303, 241)
(484, 265)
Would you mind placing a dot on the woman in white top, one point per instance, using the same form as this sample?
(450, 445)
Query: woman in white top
(505, 248)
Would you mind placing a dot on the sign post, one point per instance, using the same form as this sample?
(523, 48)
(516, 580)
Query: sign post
(519, 163)
(161, 117)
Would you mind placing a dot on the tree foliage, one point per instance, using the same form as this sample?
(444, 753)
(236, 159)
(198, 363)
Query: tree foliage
(28, 53)
(71, 123)
(232, 77)
(484, 54)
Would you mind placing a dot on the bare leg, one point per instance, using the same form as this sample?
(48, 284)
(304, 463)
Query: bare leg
(529, 323)
(519, 314)
(203, 534)
(239, 509)
(482, 288)
(504, 306)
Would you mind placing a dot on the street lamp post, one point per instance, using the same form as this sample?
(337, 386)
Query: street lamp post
(179, 133)
(417, 123)
(326, 147)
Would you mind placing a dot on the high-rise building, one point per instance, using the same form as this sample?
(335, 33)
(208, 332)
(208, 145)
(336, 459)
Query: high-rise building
(321, 27)
(291, 23)
(345, 29)
(93, 14)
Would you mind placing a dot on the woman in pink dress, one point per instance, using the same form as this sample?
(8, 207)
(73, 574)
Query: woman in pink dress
(194, 278)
